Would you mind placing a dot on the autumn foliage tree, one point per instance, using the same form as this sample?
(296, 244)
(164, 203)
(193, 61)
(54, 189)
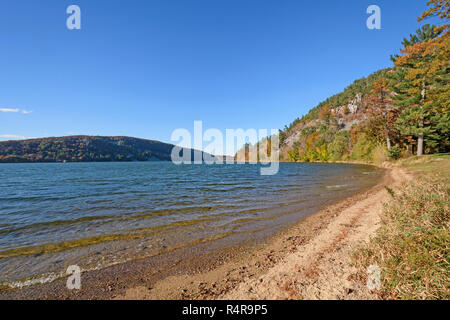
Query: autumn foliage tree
(438, 8)
(425, 65)
(383, 115)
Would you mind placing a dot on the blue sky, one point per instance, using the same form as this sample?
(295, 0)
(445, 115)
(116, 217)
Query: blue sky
(146, 68)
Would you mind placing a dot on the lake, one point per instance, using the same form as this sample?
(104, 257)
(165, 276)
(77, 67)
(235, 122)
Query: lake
(93, 215)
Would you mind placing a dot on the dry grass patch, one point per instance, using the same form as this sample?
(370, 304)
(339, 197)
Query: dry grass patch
(412, 248)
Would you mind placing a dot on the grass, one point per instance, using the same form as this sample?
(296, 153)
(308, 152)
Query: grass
(438, 164)
(441, 155)
(412, 248)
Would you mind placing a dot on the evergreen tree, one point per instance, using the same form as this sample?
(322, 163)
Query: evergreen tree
(423, 91)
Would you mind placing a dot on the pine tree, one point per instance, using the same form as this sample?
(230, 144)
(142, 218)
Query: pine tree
(424, 90)
(427, 32)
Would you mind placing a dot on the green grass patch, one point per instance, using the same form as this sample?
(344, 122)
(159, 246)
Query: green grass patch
(441, 155)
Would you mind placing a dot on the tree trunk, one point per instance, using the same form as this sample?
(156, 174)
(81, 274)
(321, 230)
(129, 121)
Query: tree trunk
(420, 145)
(420, 140)
(388, 142)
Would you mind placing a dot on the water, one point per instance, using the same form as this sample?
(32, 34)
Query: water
(98, 214)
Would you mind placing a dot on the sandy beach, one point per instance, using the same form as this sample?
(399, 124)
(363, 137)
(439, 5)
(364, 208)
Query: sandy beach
(308, 260)
(311, 260)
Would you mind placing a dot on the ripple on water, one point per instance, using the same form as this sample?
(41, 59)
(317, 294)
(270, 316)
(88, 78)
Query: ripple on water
(54, 215)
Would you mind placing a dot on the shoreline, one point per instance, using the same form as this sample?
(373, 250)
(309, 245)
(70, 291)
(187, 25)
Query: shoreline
(274, 271)
(197, 272)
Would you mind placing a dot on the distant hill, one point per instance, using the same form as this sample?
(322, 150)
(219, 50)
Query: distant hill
(84, 149)
(310, 137)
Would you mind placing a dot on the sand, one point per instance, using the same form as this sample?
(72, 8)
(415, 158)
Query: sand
(310, 260)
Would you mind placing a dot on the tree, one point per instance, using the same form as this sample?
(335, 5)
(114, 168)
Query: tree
(247, 152)
(339, 146)
(282, 136)
(384, 114)
(325, 113)
(427, 32)
(425, 67)
(439, 8)
(363, 148)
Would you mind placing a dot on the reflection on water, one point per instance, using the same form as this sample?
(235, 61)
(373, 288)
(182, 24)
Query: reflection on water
(98, 214)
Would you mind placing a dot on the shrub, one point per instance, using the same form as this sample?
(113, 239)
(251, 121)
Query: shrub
(293, 155)
(379, 153)
(395, 152)
(338, 147)
(308, 131)
(363, 148)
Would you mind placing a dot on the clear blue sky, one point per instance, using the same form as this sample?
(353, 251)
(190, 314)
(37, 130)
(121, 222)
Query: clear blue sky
(145, 68)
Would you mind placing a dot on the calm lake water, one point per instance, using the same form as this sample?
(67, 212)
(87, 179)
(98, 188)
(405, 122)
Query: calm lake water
(98, 214)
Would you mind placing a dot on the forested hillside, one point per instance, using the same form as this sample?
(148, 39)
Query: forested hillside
(84, 149)
(394, 112)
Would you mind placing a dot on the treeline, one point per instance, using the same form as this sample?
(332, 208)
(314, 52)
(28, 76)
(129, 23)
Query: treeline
(84, 149)
(392, 113)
